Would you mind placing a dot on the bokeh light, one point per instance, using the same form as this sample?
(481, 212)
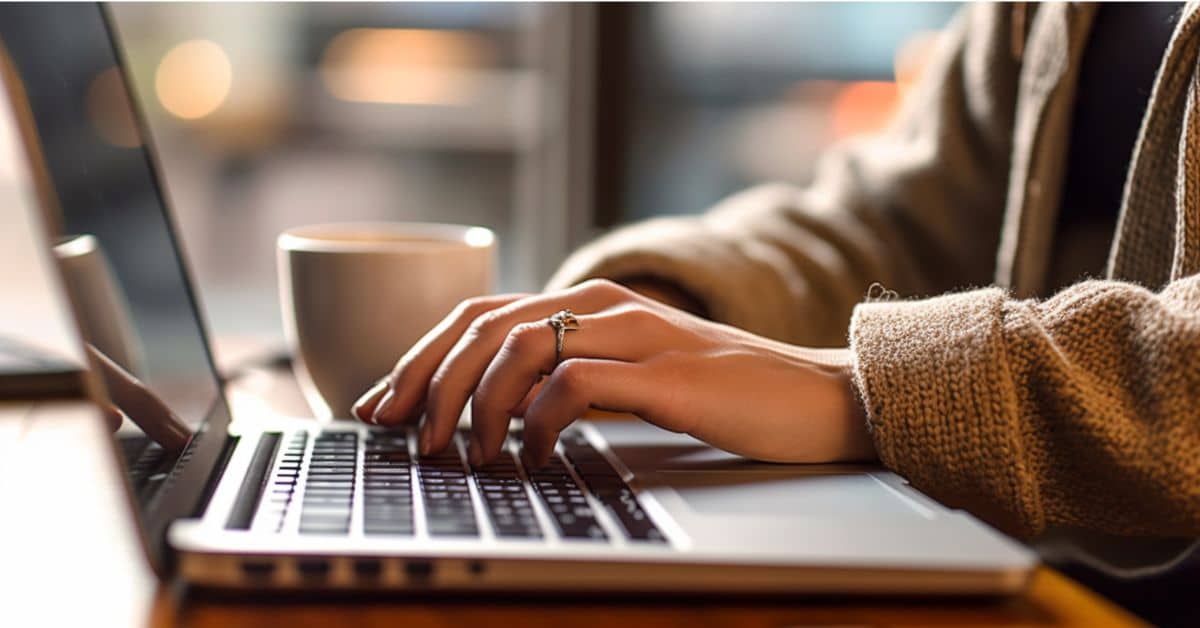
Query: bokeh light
(863, 107)
(403, 65)
(193, 79)
(479, 237)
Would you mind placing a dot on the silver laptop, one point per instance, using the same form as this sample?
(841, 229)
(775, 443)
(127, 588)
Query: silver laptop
(262, 503)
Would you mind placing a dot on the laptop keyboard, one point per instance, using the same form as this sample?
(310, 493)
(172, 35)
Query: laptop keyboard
(449, 493)
(147, 464)
(387, 486)
(329, 486)
(506, 500)
(448, 508)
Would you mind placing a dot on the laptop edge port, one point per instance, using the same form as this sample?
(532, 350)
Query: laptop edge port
(313, 568)
(368, 568)
(258, 569)
(419, 570)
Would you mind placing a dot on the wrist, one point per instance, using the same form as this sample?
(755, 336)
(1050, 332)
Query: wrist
(861, 445)
(849, 421)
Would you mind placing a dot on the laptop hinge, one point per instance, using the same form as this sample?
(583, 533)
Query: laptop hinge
(214, 478)
(254, 482)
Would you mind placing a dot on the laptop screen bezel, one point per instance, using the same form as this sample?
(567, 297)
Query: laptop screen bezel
(184, 493)
(196, 468)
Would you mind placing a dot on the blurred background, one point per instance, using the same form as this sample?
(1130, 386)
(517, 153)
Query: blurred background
(545, 122)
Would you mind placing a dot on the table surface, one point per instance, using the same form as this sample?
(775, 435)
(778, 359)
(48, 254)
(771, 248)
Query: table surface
(109, 579)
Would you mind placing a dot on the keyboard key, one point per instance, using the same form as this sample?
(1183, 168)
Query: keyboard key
(387, 487)
(555, 485)
(510, 512)
(608, 487)
(448, 507)
(329, 484)
(282, 487)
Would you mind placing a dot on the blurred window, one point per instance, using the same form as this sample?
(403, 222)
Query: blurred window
(544, 122)
(714, 97)
(271, 115)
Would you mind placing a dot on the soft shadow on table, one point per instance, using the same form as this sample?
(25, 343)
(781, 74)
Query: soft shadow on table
(208, 608)
(1166, 599)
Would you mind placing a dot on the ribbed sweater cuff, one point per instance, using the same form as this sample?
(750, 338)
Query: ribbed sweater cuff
(939, 394)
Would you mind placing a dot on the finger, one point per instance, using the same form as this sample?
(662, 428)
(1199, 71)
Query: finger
(523, 407)
(455, 379)
(626, 333)
(140, 404)
(577, 385)
(410, 377)
(364, 408)
(112, 416)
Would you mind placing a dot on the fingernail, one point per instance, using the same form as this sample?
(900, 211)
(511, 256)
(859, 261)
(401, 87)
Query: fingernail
(426, 430)
(384, 407)
(474, 453)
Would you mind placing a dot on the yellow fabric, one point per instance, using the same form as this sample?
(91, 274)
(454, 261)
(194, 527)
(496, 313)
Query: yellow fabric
(1076, 410)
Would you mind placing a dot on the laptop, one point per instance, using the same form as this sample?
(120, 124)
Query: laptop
(268, 503)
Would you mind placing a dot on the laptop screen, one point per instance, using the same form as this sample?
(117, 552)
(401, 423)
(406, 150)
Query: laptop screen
(118, 251)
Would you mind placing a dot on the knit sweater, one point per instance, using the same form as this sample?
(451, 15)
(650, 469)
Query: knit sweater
(1031, 410)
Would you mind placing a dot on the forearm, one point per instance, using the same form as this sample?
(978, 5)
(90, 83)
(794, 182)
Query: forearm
(790, 262)
(1076, 411)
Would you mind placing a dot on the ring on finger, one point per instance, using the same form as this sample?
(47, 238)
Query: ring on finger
(562, 321)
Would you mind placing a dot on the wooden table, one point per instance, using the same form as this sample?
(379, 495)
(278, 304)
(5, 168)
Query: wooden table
(1052, 601)
(73, 559)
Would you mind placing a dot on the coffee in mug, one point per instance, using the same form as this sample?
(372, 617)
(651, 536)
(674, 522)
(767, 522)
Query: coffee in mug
(357, 296)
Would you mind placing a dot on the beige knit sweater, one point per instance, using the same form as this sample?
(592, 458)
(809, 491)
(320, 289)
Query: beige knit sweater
(1080, 409)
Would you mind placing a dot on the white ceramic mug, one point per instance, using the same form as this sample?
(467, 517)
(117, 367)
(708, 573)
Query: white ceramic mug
(357, 296)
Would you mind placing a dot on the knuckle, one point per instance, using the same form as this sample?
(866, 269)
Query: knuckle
(484, 324)
(570, 377)
(605, 287)
(640, 318)
(474, 307)
(523, 338)
(471, 308)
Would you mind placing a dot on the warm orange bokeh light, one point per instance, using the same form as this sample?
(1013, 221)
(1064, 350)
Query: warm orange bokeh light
(193, 79)
(864, 107)
(403, 65)
(868, 106)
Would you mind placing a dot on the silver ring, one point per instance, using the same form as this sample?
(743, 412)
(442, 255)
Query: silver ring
(562, 321)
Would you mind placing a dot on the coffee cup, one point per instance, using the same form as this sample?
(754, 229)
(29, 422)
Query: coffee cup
(357, 296)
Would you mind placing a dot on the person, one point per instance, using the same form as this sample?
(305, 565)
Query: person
(844, 320)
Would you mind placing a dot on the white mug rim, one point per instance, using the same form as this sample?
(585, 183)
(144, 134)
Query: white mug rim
(426, 236)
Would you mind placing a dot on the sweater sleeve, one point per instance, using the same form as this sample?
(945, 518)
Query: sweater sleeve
(1079, 410)
(918, 208)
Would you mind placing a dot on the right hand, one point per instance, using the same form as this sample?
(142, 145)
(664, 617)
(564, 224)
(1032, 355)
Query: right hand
(728, 387)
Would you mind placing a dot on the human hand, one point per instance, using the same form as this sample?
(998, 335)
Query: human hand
(666, 292)
(743, 393)
(131, 398)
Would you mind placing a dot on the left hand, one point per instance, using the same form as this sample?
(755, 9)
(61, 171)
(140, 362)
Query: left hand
(130, 397)
(732, 389)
